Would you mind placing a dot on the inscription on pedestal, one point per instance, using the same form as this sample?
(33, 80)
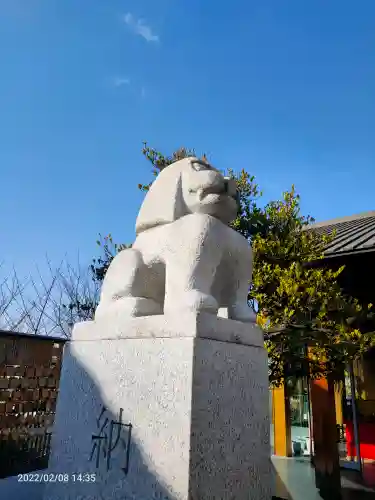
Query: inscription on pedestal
(110, 435)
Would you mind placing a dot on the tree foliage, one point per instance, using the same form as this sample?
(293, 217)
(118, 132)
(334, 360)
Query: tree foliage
(299, 303)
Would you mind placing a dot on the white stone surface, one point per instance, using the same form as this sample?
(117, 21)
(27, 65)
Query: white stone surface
(11, 488)
(198, 406)
(203, 325)
(185, 256)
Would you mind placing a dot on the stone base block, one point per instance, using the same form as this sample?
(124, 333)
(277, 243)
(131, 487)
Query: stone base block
(162, 408)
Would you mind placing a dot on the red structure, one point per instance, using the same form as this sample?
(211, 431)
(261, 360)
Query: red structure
(366, 439)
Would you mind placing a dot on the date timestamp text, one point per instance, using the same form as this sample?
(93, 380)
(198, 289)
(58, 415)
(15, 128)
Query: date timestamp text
(47, 477)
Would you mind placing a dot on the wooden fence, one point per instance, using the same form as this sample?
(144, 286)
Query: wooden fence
(29, 379)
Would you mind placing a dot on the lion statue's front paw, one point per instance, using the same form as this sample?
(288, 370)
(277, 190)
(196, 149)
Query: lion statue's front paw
(192, 301)
(242, 312)
(132, 307)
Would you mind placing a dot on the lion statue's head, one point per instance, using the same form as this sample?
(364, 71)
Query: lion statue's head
(185, 187)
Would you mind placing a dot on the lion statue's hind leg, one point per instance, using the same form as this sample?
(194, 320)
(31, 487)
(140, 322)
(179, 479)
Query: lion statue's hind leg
(124, 288)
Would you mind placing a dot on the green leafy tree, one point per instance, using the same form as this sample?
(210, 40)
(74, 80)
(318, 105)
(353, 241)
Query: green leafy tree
(299, 303)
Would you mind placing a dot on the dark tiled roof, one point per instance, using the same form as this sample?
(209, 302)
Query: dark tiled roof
(354, 234)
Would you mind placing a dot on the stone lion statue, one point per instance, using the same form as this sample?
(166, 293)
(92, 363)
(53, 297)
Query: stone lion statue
(185, 256)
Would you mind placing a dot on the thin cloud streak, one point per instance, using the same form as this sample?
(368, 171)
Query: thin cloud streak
(121, 81)
(140, 28)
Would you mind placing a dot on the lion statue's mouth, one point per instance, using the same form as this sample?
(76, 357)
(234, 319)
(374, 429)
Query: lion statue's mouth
(218, 191)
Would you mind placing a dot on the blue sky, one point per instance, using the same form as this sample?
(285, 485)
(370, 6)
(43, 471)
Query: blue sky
(285, 89)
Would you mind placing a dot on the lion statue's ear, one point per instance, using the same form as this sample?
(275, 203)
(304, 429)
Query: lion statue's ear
(164, 201)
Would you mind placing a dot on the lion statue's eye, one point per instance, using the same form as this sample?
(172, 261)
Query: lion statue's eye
(198, 166)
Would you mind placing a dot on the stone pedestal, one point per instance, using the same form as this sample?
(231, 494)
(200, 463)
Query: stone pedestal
(166, 408)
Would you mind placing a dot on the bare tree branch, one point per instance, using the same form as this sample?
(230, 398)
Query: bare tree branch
(48, 305)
